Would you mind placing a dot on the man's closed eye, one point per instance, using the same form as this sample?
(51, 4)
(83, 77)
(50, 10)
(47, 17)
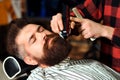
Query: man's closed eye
(32, 39)
(40, 29)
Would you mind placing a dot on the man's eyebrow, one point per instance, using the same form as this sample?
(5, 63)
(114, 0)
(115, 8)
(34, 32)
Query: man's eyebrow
(38, 28)
(30, 38)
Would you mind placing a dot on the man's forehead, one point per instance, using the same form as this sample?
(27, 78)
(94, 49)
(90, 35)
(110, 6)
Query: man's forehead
(30, 27)
(25, 33)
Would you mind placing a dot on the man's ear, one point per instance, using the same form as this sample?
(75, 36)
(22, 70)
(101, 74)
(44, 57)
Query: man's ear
(30, 61)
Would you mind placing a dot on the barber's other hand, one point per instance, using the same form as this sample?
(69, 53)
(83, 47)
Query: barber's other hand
(56, 23)
(91, 29)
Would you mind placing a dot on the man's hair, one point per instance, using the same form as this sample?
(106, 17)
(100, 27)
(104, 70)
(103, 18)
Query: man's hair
(14, 28)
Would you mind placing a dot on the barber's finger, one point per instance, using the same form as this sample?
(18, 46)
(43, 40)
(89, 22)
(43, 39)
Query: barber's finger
(60, 22)
(54, 26)
(72, 25)
(84, 32)
(56, 23)
(75, 19)
(87, 36)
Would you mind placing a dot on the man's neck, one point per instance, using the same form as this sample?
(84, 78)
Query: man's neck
(43, 66)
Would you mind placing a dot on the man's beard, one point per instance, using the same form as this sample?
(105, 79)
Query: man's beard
(50, 53)
(54, 37)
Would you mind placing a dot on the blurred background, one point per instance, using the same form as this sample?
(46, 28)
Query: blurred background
(11, 9)
(39, 10)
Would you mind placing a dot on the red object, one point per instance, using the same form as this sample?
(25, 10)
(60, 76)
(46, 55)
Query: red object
(109, 12)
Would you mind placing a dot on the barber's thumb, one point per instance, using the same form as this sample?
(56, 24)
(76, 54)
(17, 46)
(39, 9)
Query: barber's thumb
(75, 19)
(72, 24)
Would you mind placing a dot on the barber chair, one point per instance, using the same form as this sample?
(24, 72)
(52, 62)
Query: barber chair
(14, 68)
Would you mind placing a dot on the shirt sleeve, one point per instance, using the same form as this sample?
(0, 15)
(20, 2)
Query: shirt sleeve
(91, 9)
(116, 37)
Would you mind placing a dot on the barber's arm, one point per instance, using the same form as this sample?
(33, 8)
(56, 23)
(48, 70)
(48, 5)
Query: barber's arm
(90, 28)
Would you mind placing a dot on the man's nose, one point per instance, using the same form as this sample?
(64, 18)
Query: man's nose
(40, 35)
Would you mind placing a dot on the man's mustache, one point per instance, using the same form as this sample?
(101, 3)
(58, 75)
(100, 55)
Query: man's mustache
(50, 36)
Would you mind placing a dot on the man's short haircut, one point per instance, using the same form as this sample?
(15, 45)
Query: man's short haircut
(14, 28)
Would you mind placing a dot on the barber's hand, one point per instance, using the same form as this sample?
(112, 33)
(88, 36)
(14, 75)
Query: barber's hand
(91, 29)
(56, 23)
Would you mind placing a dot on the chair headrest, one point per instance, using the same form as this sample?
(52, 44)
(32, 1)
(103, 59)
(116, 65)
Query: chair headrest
(11, 67)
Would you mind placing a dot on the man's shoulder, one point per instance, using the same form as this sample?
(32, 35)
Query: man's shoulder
(36, 74)
(36, 70)
(68, 68)
(84, 62)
